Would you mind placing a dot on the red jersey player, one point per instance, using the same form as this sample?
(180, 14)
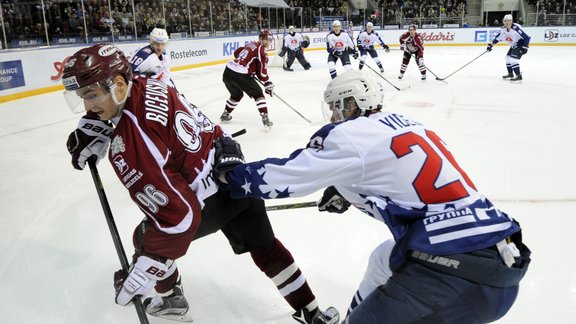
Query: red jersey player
(412, 45)
(249, 62)
(162, 150)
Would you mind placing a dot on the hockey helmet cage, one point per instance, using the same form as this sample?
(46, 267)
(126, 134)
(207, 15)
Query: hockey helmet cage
(159, 35)
(305, 42)
(353, 85)
(508, 17)
(266, 34)
(336, 23)
(97, 63)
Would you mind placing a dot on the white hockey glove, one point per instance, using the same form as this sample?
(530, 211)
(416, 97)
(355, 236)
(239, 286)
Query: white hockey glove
(269, 88)
(139, 281)
(332, 201)
(92, 137)
(403, 47)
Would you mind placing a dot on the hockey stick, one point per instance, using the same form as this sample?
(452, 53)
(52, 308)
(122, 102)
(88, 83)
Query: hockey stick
(380, 75)
(291, 206)
(240, 132)
(434, 74)
(287, 104)
(114, 232)
(477, 57)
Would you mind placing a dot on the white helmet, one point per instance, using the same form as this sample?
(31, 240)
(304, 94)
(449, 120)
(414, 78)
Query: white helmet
(159, 35)
(291, 28)
(369, 25)
(363, 89)
(336, 23)
(508, 17)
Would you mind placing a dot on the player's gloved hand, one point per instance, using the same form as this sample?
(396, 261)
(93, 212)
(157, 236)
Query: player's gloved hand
(403, 47)
(92, 137)
(524, 50)
(337, 53)
(355, 55)
(371, 47)
(489, 47)
(332, 201)
(269, 88)
(140, 279)
(386, 48)
(228, 154)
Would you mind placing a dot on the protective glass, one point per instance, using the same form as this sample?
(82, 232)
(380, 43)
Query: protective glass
(92, 97)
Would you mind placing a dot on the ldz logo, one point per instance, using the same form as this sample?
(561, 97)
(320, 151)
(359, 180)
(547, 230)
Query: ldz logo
(551, 35)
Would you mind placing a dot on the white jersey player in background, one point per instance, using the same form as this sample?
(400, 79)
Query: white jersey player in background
(350, 30)
(293, 43)
(338, 44)
(152, 60)
(518, 40)
(455, 257)
(366, 40)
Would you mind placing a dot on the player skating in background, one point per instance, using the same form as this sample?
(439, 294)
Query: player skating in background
(152, 60)
(350, 31)
(366, 40)
(293, 44)
(412, 45)
(455, 257)
(518, 41)
(338, 44)
(162, 149)
(239, 77)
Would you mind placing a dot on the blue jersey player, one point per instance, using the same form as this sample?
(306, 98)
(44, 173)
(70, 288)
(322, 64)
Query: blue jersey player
(455, 257)
(518, 40)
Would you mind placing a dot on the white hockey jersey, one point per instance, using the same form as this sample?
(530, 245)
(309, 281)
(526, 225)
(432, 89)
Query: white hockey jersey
(293, 41)
(368, 39)
(393, 169)
(338, 42)
(145, 61)
(515, 36)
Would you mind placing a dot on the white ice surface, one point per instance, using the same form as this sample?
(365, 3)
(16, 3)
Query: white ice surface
(515, 140)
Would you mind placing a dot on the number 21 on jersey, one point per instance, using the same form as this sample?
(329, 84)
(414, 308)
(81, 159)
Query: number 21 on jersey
(424, 183)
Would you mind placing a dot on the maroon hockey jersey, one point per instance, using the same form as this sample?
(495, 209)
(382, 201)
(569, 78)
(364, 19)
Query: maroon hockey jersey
(250, 59)
(161, 150)
(413, 44)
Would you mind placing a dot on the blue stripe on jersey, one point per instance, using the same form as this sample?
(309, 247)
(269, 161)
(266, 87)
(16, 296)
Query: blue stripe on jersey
(142, 54)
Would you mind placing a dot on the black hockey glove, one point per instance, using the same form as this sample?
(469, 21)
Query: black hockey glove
(524, 50)
(355, 56)
(269, 88)
(332, 201)
(386, 48)
(92, 137)
(228, 155)
(337, 53)
(489, 47)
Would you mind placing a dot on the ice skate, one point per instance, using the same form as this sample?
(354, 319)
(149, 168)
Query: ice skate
(401, 76)
(226, 117)
(329, 316)
(267, 123)
(285, 68)
(517, 78)
(508, 76)
(173, 306)
(423, 77)
(381, 70)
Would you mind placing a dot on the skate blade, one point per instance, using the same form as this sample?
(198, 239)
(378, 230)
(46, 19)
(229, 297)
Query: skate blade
(267, 128)
(173, 317)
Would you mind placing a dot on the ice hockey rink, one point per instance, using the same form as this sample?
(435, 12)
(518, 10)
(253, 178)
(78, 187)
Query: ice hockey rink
(515, 140)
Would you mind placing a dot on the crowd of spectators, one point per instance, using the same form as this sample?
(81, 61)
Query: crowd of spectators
(24, 19)
(551, 12)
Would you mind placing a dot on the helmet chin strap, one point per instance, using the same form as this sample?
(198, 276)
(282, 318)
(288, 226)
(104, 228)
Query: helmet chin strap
(122, 102)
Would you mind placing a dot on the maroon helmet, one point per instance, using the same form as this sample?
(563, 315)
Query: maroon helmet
(266, 34)
(97, 63)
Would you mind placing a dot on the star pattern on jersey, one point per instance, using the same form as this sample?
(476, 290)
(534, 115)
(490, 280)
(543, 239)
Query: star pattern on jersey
(256, 185)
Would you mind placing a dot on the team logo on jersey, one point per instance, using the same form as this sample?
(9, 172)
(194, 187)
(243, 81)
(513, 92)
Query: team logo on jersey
(316, 143)
(117, 145)
(339, 45)
(120, 164)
